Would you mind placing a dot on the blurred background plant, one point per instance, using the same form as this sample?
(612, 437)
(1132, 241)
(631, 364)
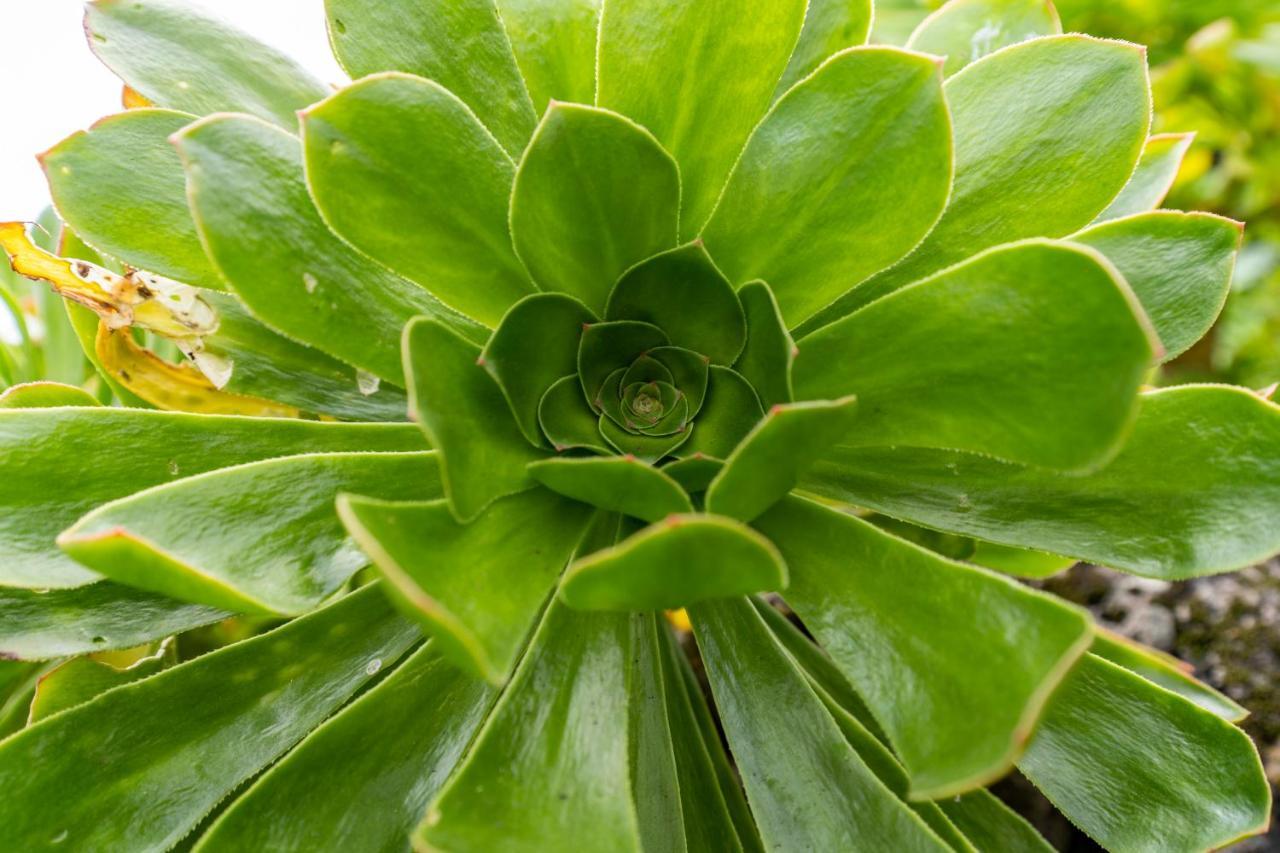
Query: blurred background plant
(1215, 71)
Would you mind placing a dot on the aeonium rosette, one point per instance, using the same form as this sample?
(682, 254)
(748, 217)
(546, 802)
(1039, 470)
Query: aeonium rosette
(579, 312)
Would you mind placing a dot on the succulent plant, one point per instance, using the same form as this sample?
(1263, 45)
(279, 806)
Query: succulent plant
(736, 348)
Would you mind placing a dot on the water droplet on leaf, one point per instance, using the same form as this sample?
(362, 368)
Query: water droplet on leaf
(367, 383)
(372, 667)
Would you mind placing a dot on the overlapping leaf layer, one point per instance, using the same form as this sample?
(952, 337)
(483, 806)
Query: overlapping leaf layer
(568, 313)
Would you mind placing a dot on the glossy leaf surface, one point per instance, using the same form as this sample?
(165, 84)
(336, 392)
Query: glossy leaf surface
(765, 361)
(535, 344)
(684, 294)
(964, 31)
(257, 538)
(1046, 134)
(728, 414)
(42, 625)
(1165, 670)
(81, 679)
(477, 588)
(808, 788)
(616, 484)
(1032, 352)
(120, 185)
(594, 194)
(991, 825)
(769, 461)
(554, 42)
(182, 59)
(1179, 266)
(843, 177)
(463, 46)
(397, 149)
(553, 757)
(889, 613)
(461, 409)
(673, 563)
(362, 781)
(1131, 764)
(259, 697)
(45, 395)
(699, 77)
(257, 221)
(567, 420)
(1190, 494)
(100, 454)
(1153, 178)
(829, 27)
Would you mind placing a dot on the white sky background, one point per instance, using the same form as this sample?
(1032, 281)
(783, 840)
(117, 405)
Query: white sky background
(62, 87)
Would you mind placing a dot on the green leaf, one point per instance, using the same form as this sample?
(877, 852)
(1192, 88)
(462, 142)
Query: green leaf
(689, 373)
(1153, 178)
(269, 365)
(766, 359)
(1018, 562)
(829, 27)
(964, 31)
(1165, 670)
(991, 825)
(822, 672)
(553, 756)
(464, 414)
(99, 454)
(901, 621)
(363, 779)
(701, 765)
(693, 473)
(843, 177)
(477, 588)
(460, 45)
(699, 76)
(1178, 264)
(1046, 134)
(728, 414)
(594, 194)
(178, 58)
(606, 347)
(808, 788)
(655, 786)
(403, 170)
(15, 707)
(676, 562)
(256, 538)
(120, 185)
(554, 42)
(45, 395)
(769, 461)
(104, 775)
(646, 448)
(257, 221)
(683, 293)
(616, 484)
(1032, 352)
(567, 420)
(535, 345)
(1128, 762)
(1194, 491)
(81, 679)
(42, 625)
